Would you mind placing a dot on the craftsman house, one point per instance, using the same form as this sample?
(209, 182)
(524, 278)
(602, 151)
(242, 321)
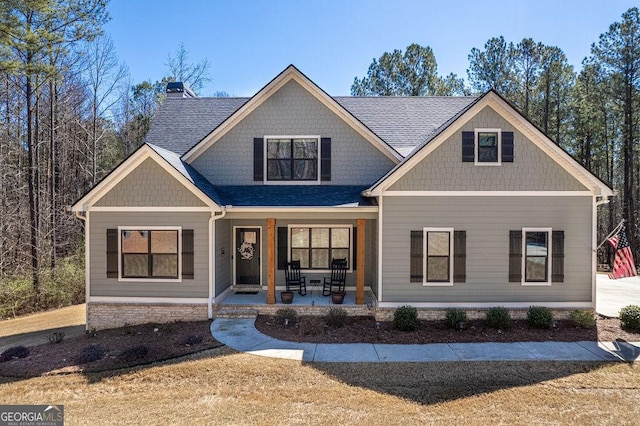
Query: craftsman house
(433, 202)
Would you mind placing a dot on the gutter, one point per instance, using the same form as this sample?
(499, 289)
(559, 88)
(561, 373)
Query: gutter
(212, 260)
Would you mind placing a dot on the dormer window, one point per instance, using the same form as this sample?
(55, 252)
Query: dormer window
(292, 158)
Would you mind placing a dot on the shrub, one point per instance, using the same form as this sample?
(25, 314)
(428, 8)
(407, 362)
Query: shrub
(405, 318)
(194, 339)
(56, 337)
(312, 326)
(540, 317)
(286, 316)
(336, 317)
(630, 317)
(14, 352)
(134, 353)
(91, 353)
(498, 318)
(455, 318)
(583, 319)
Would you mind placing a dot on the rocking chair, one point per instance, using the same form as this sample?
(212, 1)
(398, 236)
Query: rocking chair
(337, 278)
(293, 278)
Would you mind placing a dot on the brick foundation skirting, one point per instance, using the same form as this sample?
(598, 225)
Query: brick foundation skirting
(112, 315)
(386, 314)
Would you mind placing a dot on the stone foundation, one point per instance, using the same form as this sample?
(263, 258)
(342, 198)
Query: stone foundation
(112, 315)
(245, 311)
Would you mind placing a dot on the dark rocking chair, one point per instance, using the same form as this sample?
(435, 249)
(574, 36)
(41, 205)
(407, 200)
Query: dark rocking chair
(337, 278)
(294, 280)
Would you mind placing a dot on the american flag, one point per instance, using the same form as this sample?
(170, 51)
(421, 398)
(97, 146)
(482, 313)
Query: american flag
(623, 264)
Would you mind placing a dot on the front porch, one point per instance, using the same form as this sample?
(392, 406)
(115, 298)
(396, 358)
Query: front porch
(314, 303)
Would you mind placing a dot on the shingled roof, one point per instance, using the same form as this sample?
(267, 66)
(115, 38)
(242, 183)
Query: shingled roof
(402, 122)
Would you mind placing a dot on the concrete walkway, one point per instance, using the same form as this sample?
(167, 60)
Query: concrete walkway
(241, 334)
(613, 295)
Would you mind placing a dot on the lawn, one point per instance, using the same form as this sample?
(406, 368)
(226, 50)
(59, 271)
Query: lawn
(222, 386)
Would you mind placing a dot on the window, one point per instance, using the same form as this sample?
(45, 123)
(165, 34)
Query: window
(151, 253)
(536, 256)
(438, 255)
(292, 158)
(488, 146)
(315, 246)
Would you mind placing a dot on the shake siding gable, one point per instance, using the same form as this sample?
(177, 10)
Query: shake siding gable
(444, 170)
(149, 185)
(292, 111)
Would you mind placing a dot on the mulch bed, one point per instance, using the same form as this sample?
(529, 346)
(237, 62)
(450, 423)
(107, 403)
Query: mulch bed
(365, 330)
(120, 347)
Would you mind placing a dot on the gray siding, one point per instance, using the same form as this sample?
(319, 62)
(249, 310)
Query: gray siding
(292, 111)
(224, 253)
(443, 169)
(99, 222)
(487, 222)
(149, 185)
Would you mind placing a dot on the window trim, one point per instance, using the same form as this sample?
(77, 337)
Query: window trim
(150, 228)
(265, 160)
(476, 142)
(425, 255)
(523, 267)
(330, 226)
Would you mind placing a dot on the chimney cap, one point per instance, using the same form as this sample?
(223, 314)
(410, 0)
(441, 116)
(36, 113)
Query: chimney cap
(179, 89)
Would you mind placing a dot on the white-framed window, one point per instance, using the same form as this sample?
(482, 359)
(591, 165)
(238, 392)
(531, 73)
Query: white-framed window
(488, 147)
(148, 253)
(292, 159)
(316, 245)
(437, 263)
(536, 256)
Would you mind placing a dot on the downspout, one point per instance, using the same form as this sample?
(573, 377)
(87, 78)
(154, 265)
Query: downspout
(212, 260)
(87, 259)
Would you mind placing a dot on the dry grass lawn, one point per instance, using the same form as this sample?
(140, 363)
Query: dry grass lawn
(63, 317)
(224, 387)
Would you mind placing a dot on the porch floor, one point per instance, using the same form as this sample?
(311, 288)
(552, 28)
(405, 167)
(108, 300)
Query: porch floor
(313, 298)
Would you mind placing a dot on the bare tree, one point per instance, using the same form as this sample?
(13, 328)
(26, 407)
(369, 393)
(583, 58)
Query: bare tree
(196, 75)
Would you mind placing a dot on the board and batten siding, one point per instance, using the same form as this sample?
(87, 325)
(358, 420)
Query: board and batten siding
(103, 286)
(487, 222)
(149, 185)
(292, 111)
(531, 170)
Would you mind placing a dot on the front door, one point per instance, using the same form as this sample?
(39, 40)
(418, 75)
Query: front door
(247, 256)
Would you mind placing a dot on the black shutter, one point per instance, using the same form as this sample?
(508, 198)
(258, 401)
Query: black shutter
(112, 253)
(507, 147)
(354, 260)
(515, 256)
(258, 159)
(325, 159)
(283, 246)
(187, 254)
(459, 256)
(468, 147)
(557, 253)
(416, 257)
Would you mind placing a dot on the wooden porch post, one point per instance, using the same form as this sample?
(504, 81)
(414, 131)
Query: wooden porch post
(271, 261)
(361, 224)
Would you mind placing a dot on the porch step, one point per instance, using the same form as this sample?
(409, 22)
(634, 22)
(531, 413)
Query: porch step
(235, 312)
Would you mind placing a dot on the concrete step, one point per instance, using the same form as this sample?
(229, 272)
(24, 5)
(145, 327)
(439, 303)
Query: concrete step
(235, 312)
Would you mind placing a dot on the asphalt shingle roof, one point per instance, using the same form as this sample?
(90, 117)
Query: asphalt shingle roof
(292, 195)
(402, 122)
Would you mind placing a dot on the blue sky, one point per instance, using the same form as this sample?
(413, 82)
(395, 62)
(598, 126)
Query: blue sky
(332, 41)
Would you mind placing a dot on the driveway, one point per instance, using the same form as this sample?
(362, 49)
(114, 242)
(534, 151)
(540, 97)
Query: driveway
(612, 295)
